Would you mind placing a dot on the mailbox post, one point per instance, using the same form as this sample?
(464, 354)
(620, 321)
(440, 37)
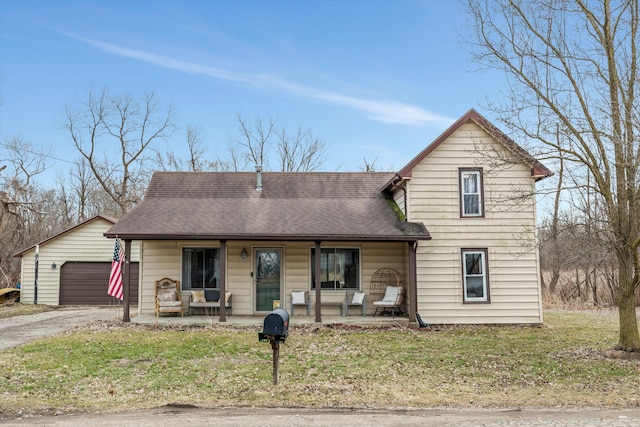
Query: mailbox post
(275, 330)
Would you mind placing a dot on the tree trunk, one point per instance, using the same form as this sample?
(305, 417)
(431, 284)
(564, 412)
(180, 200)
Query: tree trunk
(629, 337)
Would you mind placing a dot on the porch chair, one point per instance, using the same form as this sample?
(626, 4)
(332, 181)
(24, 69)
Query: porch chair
(209, 298)
(300, 298)
(382, 278)
(357, 300)
(392, 299)
(168, 298)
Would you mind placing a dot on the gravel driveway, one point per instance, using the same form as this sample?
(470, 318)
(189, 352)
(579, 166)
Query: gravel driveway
(18, 330)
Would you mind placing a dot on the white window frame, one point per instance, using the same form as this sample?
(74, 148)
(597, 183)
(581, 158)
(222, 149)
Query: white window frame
(479, 193)
(483, 274)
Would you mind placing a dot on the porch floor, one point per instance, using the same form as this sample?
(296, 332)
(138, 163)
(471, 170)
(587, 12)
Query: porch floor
(257, 321)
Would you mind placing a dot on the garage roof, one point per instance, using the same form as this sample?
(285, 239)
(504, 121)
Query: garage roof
(68, 230)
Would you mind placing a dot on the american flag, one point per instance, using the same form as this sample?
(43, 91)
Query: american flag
(115, 278)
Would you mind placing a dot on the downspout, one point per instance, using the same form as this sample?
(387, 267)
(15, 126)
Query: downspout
(35, 282)
(413, 282)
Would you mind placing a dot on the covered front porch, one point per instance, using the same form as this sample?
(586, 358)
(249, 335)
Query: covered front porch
(262, 275)
(257, 321)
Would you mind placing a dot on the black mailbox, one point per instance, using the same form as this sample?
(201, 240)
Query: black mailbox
(276, 325)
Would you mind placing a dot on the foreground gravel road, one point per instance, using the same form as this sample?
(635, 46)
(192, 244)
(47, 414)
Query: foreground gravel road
(278, 417)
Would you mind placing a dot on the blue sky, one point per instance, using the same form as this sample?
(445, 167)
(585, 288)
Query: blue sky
(373, 79)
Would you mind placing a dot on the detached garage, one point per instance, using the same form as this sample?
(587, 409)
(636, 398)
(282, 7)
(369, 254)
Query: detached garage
(73, 267)
(84, 283)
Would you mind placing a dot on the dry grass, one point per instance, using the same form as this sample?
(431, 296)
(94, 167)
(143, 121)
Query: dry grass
(17, 309)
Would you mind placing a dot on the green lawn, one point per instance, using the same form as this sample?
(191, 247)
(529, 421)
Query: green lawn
(568, 362)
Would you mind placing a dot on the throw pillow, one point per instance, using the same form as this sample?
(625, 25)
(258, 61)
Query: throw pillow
(358, 298)
(167, 296)
(198, 296)
(298, 298)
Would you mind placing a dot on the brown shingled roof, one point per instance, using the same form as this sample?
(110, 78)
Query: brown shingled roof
(291, 206)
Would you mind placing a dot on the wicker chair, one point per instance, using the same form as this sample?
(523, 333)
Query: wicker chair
(168, 298)
(382, 278)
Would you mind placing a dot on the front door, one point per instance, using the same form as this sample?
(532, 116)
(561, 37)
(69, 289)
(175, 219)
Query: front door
(268, 278)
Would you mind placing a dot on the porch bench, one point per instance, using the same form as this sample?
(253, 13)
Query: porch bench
(211, 301)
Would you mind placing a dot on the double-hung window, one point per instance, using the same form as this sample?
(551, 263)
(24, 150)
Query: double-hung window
(200, 267)
(471, 192)
(339, 268)
(475, 275)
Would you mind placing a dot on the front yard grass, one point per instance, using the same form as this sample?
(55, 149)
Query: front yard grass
(110, 366)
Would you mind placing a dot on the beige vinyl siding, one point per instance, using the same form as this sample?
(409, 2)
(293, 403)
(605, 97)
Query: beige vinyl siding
(163, 259)
(507, 231)
(160, 259)
(83, 244)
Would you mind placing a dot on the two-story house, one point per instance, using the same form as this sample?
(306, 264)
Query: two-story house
(457, 223)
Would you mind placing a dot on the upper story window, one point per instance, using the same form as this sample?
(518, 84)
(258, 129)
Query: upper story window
(471, 192)
(339, 268)
(475, 275)
(200, 268)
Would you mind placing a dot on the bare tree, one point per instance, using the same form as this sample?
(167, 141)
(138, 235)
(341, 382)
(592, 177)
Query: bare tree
(115, 134)
(237, 161)
(196, 159)
(369, 166)
(23, 206)
(300, 151)
(573, 65)
(254, 140)
(297, 151)
(80, 196)
(555, 259)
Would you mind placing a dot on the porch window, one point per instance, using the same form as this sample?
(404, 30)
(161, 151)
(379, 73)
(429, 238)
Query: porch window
(200, 267)
(471, 192)
(339, 268)
(475, 275)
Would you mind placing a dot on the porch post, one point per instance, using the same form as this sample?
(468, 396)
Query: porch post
(126, 281)
(317, 283)
(223, 280)
(413, 285)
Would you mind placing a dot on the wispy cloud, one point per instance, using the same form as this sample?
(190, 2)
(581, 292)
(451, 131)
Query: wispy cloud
(379, 110)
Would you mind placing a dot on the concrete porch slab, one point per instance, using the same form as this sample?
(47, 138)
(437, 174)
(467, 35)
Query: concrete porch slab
(257, 321)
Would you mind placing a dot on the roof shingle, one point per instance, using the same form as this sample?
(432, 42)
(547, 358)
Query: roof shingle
(291, 206)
